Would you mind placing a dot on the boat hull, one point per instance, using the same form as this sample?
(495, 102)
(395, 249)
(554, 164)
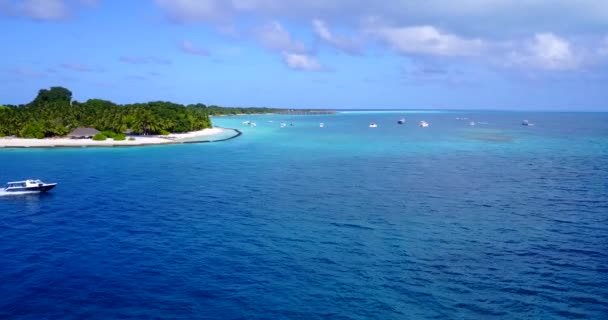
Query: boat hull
(39, 188)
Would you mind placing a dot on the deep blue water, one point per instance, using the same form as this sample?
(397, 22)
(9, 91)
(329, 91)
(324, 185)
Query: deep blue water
(344, 222)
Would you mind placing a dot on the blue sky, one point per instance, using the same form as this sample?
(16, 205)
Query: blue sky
(489, 54)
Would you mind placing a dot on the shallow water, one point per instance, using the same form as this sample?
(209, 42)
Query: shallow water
(452, 221)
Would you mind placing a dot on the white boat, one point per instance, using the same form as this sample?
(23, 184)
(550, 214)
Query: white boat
(527, 123)
(401, 121)
(423, 124)
(321, 125)
(252, 124)
(373, 125)
(472, 123)
(28, 186)
(283, 125)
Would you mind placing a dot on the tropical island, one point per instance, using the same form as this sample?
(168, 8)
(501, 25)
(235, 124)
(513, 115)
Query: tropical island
(54, 119)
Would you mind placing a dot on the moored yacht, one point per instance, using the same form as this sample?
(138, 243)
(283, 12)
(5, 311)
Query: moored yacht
(29, 186)
(321, 125)
(373, 125)
(401, 121)
(423, 124)
(526, 123)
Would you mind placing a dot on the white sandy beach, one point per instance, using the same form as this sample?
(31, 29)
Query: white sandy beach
(195, 134)
(12, 142)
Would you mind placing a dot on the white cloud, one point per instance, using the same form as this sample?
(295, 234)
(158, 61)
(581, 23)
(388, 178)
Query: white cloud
(186, 11)
(488, 30)
(462, 16)
(301, 62)
(426, 40)
(322, 30)
(549, 52)
(189, 48)
(43, 9)
(274, 37)
(348, 45)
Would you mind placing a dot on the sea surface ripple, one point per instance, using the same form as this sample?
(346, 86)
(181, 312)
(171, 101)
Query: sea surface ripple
(495, 221)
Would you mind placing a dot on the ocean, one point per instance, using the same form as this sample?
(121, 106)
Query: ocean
(453, 221)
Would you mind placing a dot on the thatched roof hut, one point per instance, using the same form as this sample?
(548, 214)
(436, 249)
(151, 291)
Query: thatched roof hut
(83, 133)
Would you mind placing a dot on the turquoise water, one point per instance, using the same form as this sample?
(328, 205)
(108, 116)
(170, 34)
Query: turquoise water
(496, 220)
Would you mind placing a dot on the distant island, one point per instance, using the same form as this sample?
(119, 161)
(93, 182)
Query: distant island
(53, 113)
(53, 116)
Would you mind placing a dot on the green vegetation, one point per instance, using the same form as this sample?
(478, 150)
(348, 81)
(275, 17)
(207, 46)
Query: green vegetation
(54, 113)
(220, 111)
(99, 137)
(110, 134)
(164, 132)
(119, 137)
(32, 130)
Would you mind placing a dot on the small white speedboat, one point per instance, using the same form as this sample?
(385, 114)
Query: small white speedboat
(401, 121)
(373, 125)
(28, 186)
(423, 124)
(283, 125)
(321, 125)
(527, 123)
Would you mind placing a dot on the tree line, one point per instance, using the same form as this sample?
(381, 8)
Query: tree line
(53, 113)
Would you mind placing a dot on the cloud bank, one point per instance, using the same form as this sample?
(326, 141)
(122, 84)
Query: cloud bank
(497, 33)
(44, 10)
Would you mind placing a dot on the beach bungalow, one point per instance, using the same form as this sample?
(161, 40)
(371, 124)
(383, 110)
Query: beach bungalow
(83, 133)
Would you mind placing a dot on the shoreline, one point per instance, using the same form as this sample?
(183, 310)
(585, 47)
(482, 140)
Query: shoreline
(63, 142)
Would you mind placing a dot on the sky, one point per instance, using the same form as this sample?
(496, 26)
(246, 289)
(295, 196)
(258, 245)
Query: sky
(340, 54)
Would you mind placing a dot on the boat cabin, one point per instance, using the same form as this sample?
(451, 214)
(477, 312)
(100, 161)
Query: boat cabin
(24, 184)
